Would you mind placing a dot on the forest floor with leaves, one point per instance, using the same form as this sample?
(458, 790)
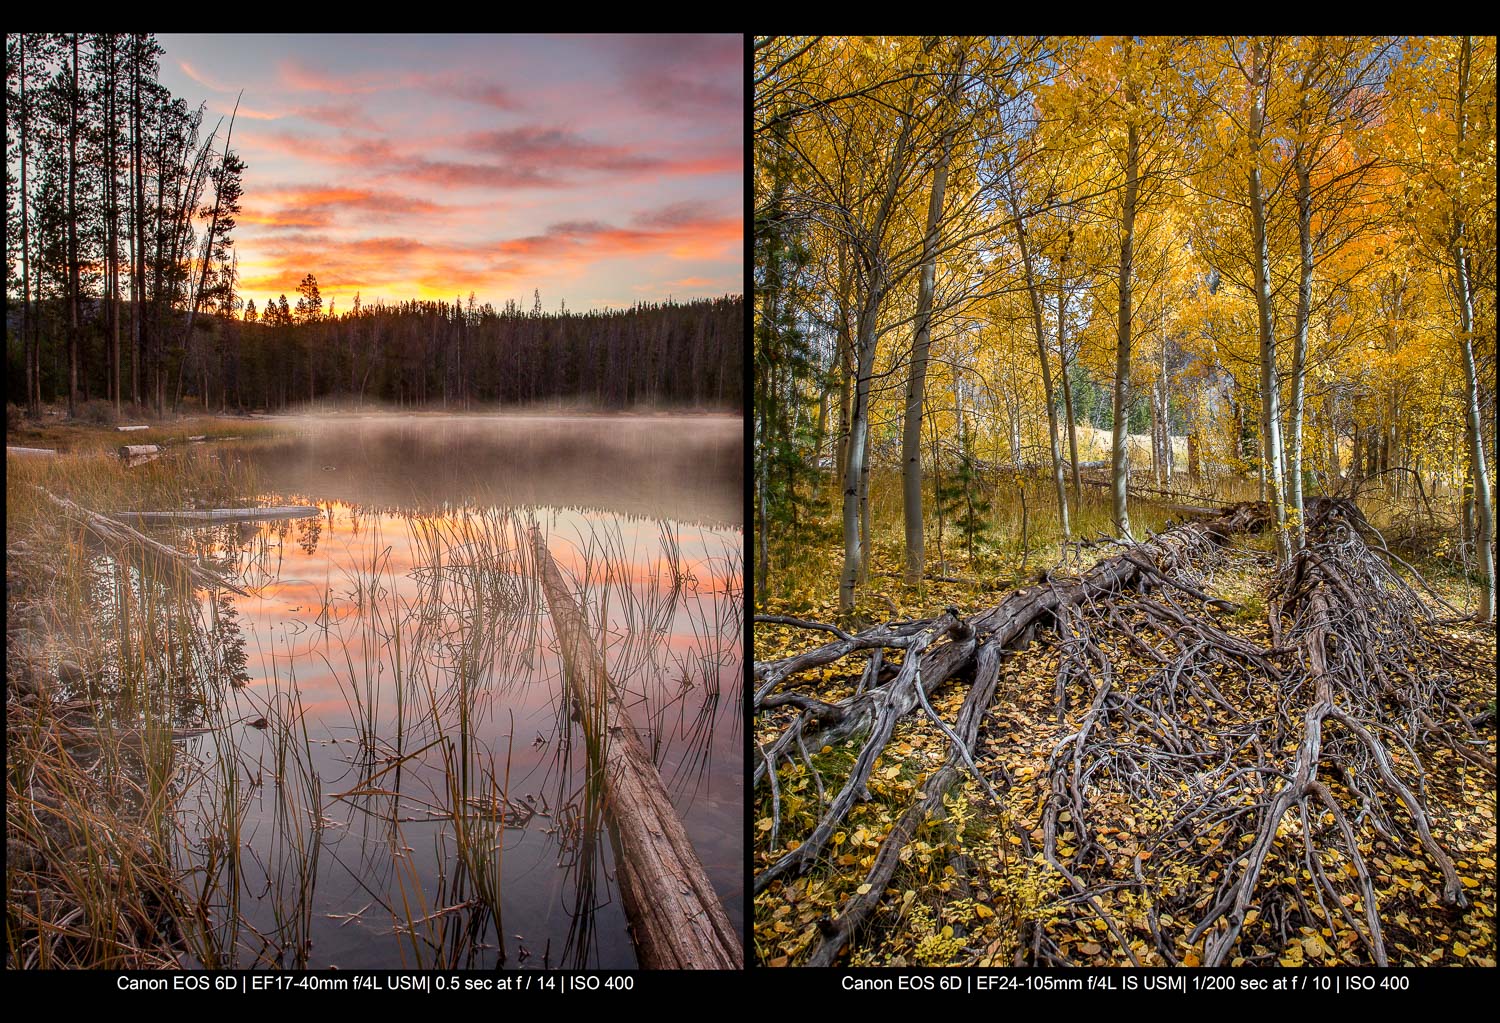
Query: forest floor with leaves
(966, 892)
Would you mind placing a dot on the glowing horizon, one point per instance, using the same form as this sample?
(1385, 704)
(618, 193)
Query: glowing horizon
(598, 170)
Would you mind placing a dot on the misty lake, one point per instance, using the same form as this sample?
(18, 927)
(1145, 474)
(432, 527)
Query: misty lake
(391, 776)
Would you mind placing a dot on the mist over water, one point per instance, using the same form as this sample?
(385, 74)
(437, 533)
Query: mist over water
(642, 513)
(683, 468)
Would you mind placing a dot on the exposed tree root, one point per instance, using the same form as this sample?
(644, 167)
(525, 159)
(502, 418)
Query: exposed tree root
(1227, 759)
(1208, 799)
(880, 703)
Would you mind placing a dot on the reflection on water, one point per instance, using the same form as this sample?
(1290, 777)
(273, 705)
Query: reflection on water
(401, 774)
(681, 468)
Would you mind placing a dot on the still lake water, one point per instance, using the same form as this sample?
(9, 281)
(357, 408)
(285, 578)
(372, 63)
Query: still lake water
(404, 664)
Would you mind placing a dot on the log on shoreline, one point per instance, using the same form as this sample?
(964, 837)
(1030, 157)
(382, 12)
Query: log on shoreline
(224, 514)
(138, 454)
(118, 534)
(675, 914)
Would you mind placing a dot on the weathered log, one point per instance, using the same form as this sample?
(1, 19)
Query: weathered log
(139, 454)
(225, 514)
(676, 918)
(118, 534)
(128, 429)
(31, 452)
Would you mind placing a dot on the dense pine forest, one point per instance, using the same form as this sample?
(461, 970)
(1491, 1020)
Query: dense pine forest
(121, 289)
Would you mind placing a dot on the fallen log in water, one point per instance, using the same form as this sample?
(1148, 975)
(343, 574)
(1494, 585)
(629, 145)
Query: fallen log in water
(118, 534)
(225, 514)
(675, 914)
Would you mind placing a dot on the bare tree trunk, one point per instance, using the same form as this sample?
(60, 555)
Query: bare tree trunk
(1270, 384)
(911, 433)
(29, 338)
(138, 228)
(677, 919)
(1485, 517)
(866, 536)
(820, 438)
(763, 564)
(1041, 351)
(859, 426)
(1299, 340)
(1067, 386)
(1119, 474)
(856, 474)
(73, 283)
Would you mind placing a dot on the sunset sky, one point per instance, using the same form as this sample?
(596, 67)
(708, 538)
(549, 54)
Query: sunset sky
(602, 170)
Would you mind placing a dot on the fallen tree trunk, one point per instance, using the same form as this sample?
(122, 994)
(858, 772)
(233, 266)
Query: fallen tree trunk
(119, 535)
(225, 514)
(130, 429)
(676, 917)
(139, 454)
(31, 452)
(881, 704)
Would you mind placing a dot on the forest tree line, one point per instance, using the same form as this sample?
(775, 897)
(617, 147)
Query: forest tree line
(120, 208)
(458, 355)
(121, 281)
(1281, 246)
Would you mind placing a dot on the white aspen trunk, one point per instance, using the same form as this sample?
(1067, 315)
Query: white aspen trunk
(1119, 476)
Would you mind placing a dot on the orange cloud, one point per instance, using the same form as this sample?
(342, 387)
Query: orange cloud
(684, 231)
(486, 94)
(526, 157)
(316, 206)
(202, 79)
(297, 76)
